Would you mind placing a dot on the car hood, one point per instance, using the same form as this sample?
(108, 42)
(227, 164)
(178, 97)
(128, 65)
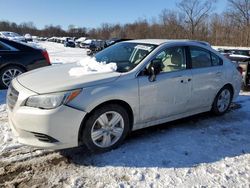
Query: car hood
(57, 78)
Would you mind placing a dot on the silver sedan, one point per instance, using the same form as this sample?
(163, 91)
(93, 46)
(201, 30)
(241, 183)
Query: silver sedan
(156, 81)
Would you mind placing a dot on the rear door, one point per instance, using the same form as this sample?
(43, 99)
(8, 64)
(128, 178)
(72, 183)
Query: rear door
(208, 74)
(9, 54)
(170, 93)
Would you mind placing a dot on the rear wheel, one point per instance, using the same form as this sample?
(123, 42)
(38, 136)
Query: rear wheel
(106, 128)
(222, 101)
(9, 73)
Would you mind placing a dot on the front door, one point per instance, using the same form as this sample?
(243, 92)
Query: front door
(169, 94)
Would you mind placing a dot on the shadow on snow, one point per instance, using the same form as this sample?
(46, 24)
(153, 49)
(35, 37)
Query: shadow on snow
(188, 142)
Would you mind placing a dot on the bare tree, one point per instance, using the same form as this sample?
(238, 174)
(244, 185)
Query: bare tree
(196, 11)
(239, 12)
(193, 19)
(172, 23)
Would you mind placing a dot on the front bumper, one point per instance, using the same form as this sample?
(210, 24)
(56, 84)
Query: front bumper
(54, 129)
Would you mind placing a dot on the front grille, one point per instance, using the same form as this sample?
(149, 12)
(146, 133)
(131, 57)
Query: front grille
(44, 137)
(12, 96)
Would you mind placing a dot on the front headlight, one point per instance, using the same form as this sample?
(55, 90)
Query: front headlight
(50, 101)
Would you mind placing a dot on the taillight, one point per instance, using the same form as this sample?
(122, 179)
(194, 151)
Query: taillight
(46, 56)
(240, 69)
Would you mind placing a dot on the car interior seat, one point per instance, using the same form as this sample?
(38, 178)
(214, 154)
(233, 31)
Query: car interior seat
(200, 61)
(173, 62)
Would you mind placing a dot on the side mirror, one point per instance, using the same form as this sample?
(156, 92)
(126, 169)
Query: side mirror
(154, 69)
(152, 75)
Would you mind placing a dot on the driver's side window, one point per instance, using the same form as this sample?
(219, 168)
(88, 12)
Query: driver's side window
(172, 59)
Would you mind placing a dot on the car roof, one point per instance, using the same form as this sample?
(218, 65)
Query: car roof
(18, 45)
(6, 32)
(163, 41)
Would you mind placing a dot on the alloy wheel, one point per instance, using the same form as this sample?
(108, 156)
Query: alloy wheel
(224, 100)
(107, 129)
(9, 75)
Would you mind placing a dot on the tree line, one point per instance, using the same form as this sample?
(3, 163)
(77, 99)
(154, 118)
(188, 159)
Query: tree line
(192, 19)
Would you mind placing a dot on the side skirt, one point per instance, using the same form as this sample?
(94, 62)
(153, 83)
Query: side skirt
(170, 118)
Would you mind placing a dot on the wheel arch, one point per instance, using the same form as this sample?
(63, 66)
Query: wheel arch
(214, 107)
(230, 86)
(5, 67)
(13, 64)
(122, 103)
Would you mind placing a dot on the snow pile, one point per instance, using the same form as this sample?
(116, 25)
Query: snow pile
(7, 139)
(89, 65)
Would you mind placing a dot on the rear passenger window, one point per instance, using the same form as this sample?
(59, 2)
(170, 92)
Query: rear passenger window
(216, 61)
(3, 47)
(200, 57)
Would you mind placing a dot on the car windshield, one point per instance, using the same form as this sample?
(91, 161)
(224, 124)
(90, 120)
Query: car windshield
(126, 55)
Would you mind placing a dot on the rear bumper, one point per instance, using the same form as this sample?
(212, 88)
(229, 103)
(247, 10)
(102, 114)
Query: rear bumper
(37, 64)
(53, 129)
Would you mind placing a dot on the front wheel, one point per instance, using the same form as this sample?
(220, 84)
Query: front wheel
(106, 128)
(222, 101)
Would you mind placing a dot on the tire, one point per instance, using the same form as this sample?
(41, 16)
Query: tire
(8, 73)
(222, 101)
(99, 135)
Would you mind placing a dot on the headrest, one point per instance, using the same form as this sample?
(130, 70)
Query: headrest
(176, 58)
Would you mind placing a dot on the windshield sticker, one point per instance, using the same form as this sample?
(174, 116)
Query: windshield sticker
(142, 47)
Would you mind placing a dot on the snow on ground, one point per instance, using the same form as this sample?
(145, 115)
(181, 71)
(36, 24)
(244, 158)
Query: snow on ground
(200, 151)
(59, 54)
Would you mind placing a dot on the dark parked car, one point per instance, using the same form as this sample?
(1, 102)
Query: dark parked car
(115, 40)
(16, 58)
(246, 73)
(242, 58)
(69, 43)
(96, 48)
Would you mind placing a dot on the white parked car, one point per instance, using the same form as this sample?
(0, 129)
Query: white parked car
(87, 43)
(79, 41)
(28, 37)
(12, 36)
(156, 81)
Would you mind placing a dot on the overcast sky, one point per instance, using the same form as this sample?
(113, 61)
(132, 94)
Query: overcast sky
(85, 13)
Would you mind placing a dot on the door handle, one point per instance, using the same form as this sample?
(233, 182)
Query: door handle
(186, 81)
